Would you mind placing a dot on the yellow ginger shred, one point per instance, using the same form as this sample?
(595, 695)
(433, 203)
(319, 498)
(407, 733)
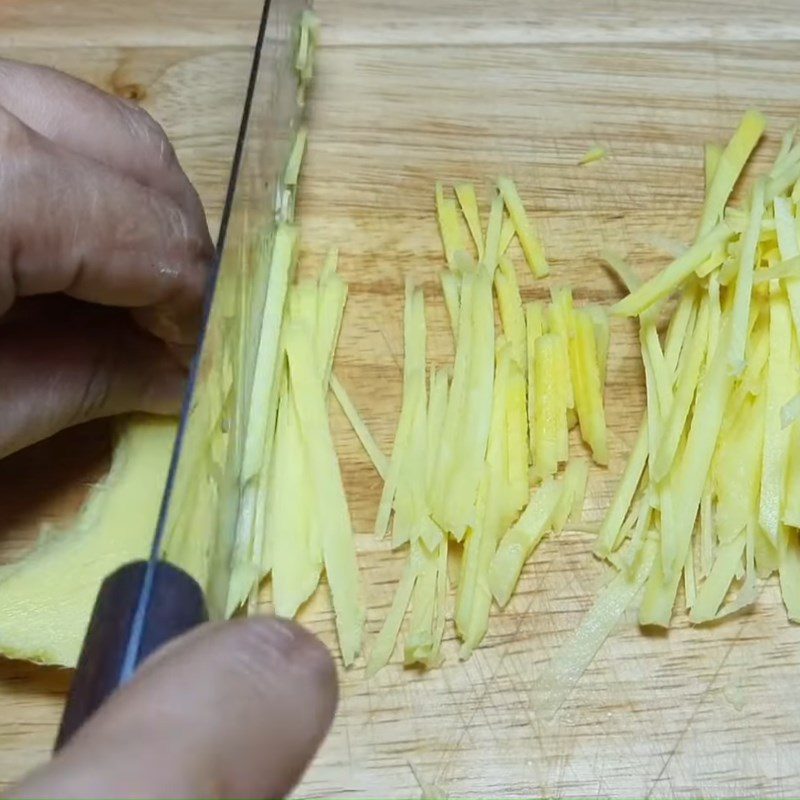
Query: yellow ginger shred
(671, 278)
(550, 438)
(371, 448)
(521, 539)
(592, 155)
(729, 166)
(531, 246)
(465, 192)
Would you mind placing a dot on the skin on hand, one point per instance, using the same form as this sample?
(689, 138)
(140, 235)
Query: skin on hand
(230, 710)
(94, 207)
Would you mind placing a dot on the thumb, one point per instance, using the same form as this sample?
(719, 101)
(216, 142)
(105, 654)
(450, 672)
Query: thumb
(234, 709)
(69, 362)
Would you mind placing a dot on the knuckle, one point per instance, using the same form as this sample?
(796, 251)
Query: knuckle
(15, 136)
(150, 133)
(98, 387)
(94, 393)
(189, 231)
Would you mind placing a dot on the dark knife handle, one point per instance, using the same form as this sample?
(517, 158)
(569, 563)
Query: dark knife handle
(176, 604)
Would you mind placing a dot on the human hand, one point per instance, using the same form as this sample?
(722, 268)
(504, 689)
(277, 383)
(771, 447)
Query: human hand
(234, 709)
(95, 209)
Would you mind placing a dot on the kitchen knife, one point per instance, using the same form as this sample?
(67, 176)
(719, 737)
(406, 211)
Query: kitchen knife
(144, 604)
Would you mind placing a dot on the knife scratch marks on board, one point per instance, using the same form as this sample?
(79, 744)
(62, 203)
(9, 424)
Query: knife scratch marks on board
(448, 756)
(696, 708)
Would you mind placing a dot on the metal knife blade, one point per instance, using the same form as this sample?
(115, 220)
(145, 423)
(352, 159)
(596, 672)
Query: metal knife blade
(187, 576)
(202, 492)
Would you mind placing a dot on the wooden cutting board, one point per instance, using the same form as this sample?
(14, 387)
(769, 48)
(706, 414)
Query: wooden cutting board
(407, 93)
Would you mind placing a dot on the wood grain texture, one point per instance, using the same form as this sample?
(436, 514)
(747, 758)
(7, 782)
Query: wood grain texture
(407, 93)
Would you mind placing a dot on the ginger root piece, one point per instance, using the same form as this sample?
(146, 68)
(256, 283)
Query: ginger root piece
(46, 597)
